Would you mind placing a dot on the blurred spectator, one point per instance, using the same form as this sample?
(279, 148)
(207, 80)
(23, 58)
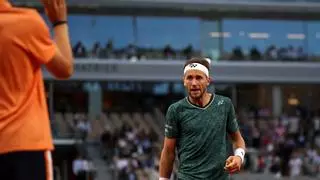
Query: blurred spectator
(127, 170)
(107, 51)
(237, 54)
(108, 145)
(96, 50)
(82, 168)
(131, 52)
(280, 132)
(79, 50)
(301, 55)
(84, 127)
(109, 48)
(293, 125)
(256, 137)
(188, 51)
(316, 124)
(275, 165)
(271, 53)
(168, 52)
(261, 164)
(255, 54)
(295, 164)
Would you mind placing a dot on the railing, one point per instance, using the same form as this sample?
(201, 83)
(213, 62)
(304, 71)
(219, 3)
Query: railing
(61, 174)
(234, 72)
(57, 173)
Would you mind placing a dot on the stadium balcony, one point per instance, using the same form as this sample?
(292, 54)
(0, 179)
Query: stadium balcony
(87, 69)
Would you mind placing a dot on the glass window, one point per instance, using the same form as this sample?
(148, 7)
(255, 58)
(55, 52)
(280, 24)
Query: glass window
(90, 29)
(161, 88)
(313, 38)
(210, 38)
(178, 88)
(261, 34)
(177, 33)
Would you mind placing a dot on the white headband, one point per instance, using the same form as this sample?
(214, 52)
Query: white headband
(196, 66)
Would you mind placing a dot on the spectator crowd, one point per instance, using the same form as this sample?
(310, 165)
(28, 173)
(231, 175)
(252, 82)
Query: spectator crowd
(131, 52)
(132, 153)
(288, 145)
(285, 146)
(134, 53)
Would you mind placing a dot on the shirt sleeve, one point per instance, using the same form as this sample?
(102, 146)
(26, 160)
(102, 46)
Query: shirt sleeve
(38, 42)
(232, 123)
(171, 127)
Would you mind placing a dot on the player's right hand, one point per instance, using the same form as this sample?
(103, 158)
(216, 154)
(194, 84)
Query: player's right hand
(233, 164)
(56, 10)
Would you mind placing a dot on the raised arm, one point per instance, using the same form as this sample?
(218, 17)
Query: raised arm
(61, 64)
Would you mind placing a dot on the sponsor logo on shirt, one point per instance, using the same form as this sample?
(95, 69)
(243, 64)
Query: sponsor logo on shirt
(220, 102)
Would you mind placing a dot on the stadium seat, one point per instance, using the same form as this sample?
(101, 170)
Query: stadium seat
(62, 129)
(126, 118)
(138, 117)
(115, 119)
(108, 124)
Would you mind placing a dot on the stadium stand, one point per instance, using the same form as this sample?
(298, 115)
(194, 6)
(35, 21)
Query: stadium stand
(134, 146)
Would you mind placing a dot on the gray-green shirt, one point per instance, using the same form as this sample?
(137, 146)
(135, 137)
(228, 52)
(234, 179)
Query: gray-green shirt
(201, 134)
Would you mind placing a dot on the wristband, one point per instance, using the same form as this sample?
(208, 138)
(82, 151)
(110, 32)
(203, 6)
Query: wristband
(240, 152)
(59, 23)
(162, 178)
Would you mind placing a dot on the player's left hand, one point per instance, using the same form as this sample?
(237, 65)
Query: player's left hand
(233, 164)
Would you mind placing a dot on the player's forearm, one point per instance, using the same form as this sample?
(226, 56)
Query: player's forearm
(61, 37)
(239, 147)
(166, 164)
(237, 140)
(239, 143)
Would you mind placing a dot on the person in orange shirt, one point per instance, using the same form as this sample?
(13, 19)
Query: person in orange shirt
(26, 45)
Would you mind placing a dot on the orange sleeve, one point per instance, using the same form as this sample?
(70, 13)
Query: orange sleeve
(39, 42)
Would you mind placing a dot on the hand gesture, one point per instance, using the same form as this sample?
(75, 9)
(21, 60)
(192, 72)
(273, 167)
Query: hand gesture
(56, 10)
(233, 164)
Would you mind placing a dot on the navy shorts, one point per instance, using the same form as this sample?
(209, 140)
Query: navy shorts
(26, 165)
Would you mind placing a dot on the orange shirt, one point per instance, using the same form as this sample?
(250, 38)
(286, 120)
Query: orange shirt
(25, 45)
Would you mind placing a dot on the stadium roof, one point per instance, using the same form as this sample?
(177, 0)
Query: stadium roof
(238, 8)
